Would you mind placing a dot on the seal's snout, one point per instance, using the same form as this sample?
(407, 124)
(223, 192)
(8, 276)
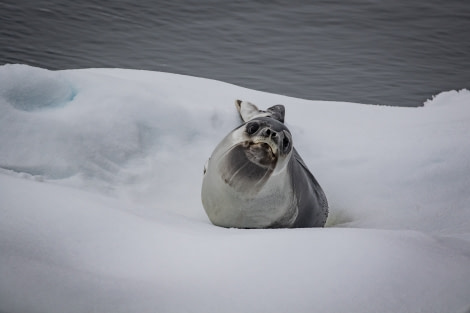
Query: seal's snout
(271, 134)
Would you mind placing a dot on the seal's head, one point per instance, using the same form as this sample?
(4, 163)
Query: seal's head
(258, 149)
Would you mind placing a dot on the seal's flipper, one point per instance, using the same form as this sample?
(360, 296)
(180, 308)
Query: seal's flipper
(249, 111)
(277, 112)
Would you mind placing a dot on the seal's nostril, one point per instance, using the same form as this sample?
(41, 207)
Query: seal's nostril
(274, 134)
(268, 132)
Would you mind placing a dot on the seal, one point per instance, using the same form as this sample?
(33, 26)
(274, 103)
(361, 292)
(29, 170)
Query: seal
(256, 179)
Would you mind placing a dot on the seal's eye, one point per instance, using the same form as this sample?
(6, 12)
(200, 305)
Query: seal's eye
(285, 143)
(252, 127)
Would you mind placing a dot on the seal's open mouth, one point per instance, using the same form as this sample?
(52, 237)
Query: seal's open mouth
(260, 153)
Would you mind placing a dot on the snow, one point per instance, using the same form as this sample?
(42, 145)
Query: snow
(100, 211)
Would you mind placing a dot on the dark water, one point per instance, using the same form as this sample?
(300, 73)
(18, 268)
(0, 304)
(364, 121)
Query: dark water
(393, 52)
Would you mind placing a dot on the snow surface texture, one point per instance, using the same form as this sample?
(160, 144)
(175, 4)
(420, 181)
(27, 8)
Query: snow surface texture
(100, 205)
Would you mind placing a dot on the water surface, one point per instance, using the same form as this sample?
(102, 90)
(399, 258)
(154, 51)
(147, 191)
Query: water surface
(391, 52)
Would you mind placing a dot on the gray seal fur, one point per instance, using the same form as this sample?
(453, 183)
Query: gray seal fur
(256, 179)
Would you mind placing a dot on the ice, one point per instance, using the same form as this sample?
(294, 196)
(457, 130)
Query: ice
(100, 211)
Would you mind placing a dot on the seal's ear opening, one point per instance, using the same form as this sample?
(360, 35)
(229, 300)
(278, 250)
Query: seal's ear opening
(277, 112)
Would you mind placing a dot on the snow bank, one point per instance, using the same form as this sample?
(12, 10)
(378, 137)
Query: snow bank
(100, 207)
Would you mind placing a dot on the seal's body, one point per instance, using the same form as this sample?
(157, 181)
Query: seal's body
(256, 179)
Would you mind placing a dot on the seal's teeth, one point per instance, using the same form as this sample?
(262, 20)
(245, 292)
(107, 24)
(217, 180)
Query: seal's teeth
(273, 147)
